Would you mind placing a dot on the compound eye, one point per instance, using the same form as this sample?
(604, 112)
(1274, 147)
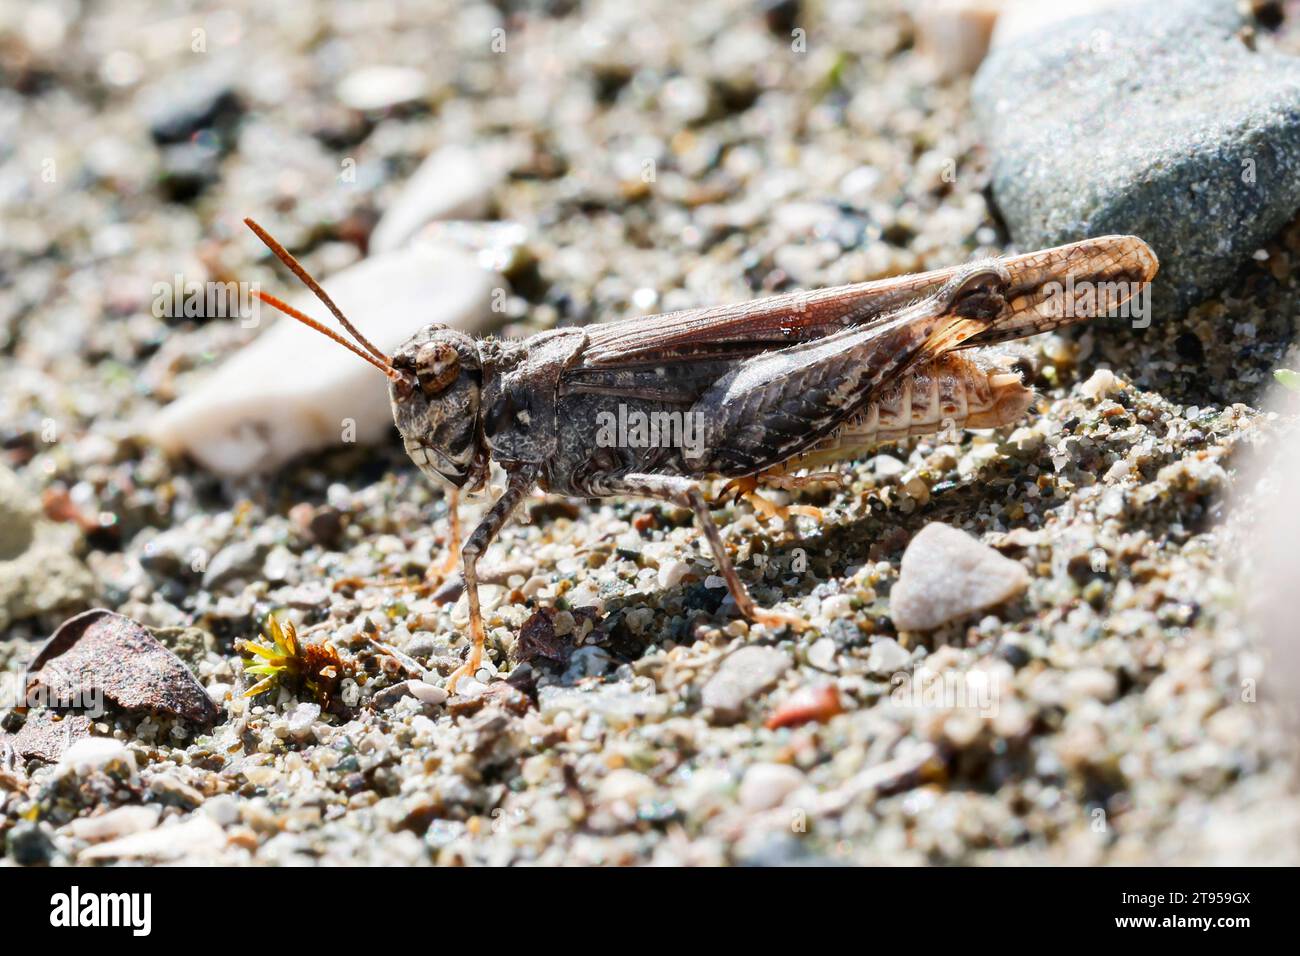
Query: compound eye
(437, 365)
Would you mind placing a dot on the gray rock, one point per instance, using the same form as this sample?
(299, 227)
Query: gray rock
(190, 644)
(946, 574)
(306, 597)
(186, 170)
(784, 850)
(742, 674)
(240, 561)
(177, 107)
(619, 702)
(29, 844)
(19, 512)
(170, 553)
(46, 735)
(39, 571)
(388, 696)
(1154, 119)
(425, 644)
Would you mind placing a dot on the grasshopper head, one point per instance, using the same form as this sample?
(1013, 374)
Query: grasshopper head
(435, 400)
(434, 380)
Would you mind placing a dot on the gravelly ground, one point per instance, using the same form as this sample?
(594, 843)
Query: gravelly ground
(1122, 729)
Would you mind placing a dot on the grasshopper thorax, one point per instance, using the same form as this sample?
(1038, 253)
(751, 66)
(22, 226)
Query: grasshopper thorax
(435, 398)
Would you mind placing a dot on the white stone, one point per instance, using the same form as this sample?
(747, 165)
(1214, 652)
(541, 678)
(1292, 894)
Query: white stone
(427, 693)
(1091, 682)
(887, 657)
(822, 654)
(837, 605)
(886, 466)
(946, 574)
(115, 823)
(671, 573)
(625, 784)
(95, 753)
(1100, 384)
(743, 674)
(622, 791)
(766, 785)
(261, 775)
(961, 727)
(1011, 719)
(302, 717)
(199, 836)
(471, 687)
(452, 183)
(382, 87)
(292, 390)
(223, 808)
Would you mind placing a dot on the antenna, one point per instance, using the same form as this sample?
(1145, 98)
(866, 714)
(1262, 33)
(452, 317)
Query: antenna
(296, 267)
(293, 313)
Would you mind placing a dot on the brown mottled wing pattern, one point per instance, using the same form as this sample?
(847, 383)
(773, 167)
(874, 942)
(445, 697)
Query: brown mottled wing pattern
(747, 328)
(675, 357)
(736, 331)
(1073, 283)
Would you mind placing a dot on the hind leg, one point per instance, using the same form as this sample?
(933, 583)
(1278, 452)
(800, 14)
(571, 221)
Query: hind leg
(748, 486)
(684, 493)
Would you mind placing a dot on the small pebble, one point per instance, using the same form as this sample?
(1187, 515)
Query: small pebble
(302, 717)
(115, 823)
(946, 575)
(766, 785)
(887, 657)
(742, 675)
(375, 88)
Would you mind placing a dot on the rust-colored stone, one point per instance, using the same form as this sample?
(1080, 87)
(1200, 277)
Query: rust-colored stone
(100, 652)
(806, 705)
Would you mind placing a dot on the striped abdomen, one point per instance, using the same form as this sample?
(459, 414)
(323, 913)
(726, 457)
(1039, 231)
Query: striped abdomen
(973, 389)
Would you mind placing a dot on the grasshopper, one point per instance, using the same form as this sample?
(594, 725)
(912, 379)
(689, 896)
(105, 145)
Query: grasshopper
(765, 388)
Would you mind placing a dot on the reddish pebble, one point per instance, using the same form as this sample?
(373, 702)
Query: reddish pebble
(59, 506)
(818, 704)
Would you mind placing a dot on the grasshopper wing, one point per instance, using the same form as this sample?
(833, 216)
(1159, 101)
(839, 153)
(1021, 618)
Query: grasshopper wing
(1044, 290)
(747, 328)
(675, 357)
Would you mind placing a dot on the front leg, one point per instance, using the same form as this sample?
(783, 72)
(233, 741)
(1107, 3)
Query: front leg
(521, 480)
(437, 573)
(684, 493)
